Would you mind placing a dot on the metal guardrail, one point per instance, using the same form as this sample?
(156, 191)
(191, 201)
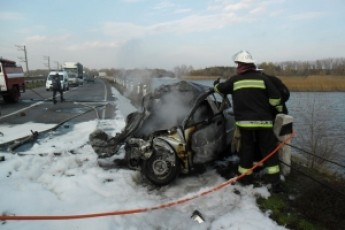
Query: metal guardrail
(38, 79)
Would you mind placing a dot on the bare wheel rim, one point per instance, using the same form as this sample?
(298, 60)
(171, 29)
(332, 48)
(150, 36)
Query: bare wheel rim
(160, 167)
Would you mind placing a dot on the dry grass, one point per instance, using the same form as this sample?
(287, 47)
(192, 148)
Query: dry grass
(315, 83)
(303, 84)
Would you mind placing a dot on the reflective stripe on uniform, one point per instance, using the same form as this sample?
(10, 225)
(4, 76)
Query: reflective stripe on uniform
(257, 84)
(244, 170)
(254, 124)
(273, 169)
(279, 108)
(216, 88)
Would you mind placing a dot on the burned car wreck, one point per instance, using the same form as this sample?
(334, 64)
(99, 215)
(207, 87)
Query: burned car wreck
(177, 128)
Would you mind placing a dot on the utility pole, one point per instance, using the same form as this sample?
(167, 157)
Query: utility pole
(25, 59)
(57, 65)
(48, 64)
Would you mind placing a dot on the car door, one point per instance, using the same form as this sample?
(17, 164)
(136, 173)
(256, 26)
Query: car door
(209, 138)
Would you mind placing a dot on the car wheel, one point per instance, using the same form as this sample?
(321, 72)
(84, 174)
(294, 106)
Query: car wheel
(12, 96)
(160, 171)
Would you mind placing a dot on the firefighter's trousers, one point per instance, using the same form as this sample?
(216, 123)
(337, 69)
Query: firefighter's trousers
(263, 139)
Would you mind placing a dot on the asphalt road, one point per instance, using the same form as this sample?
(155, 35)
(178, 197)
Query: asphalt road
(82, 103)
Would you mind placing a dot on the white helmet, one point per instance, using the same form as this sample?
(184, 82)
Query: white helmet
(244, 57)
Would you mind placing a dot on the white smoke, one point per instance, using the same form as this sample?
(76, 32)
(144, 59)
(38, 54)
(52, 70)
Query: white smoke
(168, 107)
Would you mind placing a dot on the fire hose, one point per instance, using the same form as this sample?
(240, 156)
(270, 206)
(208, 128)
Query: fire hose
(156, 207)
(13, 144)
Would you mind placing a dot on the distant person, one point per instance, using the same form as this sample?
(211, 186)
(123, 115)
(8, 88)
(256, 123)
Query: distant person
(57, 87)
(254, 96)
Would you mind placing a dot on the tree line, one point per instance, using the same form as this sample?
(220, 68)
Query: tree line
(329, 66)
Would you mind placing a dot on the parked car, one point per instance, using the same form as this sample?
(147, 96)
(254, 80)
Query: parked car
(89, 79)
(64, 80)
(81, 80)
(178, 127)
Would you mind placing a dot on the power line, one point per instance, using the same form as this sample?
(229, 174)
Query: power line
(314, 179)
(314, 155)
(310, 177)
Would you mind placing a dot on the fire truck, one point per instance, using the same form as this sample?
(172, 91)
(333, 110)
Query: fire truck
(12, 82)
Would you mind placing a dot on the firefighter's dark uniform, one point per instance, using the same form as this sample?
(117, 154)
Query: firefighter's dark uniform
(254, 96)
(57, 87)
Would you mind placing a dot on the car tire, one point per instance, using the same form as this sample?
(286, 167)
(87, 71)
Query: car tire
(12, 96)
(160, 172)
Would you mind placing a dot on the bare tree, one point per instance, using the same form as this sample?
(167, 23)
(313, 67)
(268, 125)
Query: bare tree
(315, 132)
(182, 70)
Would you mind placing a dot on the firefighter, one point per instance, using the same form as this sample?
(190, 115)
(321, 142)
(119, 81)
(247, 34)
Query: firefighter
(253, 96)
(57, 87)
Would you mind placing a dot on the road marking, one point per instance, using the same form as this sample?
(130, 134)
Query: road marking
(21, 110)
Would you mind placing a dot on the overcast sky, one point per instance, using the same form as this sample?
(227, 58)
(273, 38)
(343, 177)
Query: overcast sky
(166, 34)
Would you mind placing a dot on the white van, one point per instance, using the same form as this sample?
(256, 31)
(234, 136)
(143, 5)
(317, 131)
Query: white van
(64, 80)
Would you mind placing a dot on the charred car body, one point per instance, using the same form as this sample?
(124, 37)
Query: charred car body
(179, 127)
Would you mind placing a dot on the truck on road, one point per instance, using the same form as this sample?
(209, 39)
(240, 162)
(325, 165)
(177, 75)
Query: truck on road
(12, 82)
(75, 73)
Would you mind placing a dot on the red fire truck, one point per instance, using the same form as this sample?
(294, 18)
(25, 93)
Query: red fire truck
(12, 82)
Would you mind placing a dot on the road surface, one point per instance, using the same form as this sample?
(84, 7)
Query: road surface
(83, 103)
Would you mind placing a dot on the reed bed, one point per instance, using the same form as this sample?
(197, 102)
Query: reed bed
(315, 83)
(326, 83)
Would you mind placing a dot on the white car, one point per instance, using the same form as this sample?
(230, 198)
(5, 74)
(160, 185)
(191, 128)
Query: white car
(64, 80)
(81, 80)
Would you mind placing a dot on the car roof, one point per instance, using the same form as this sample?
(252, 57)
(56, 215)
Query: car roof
(183, 86)
(59, 72)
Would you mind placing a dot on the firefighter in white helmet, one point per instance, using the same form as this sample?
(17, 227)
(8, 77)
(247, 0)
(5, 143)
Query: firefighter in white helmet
(254, 96)
(243, 57)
